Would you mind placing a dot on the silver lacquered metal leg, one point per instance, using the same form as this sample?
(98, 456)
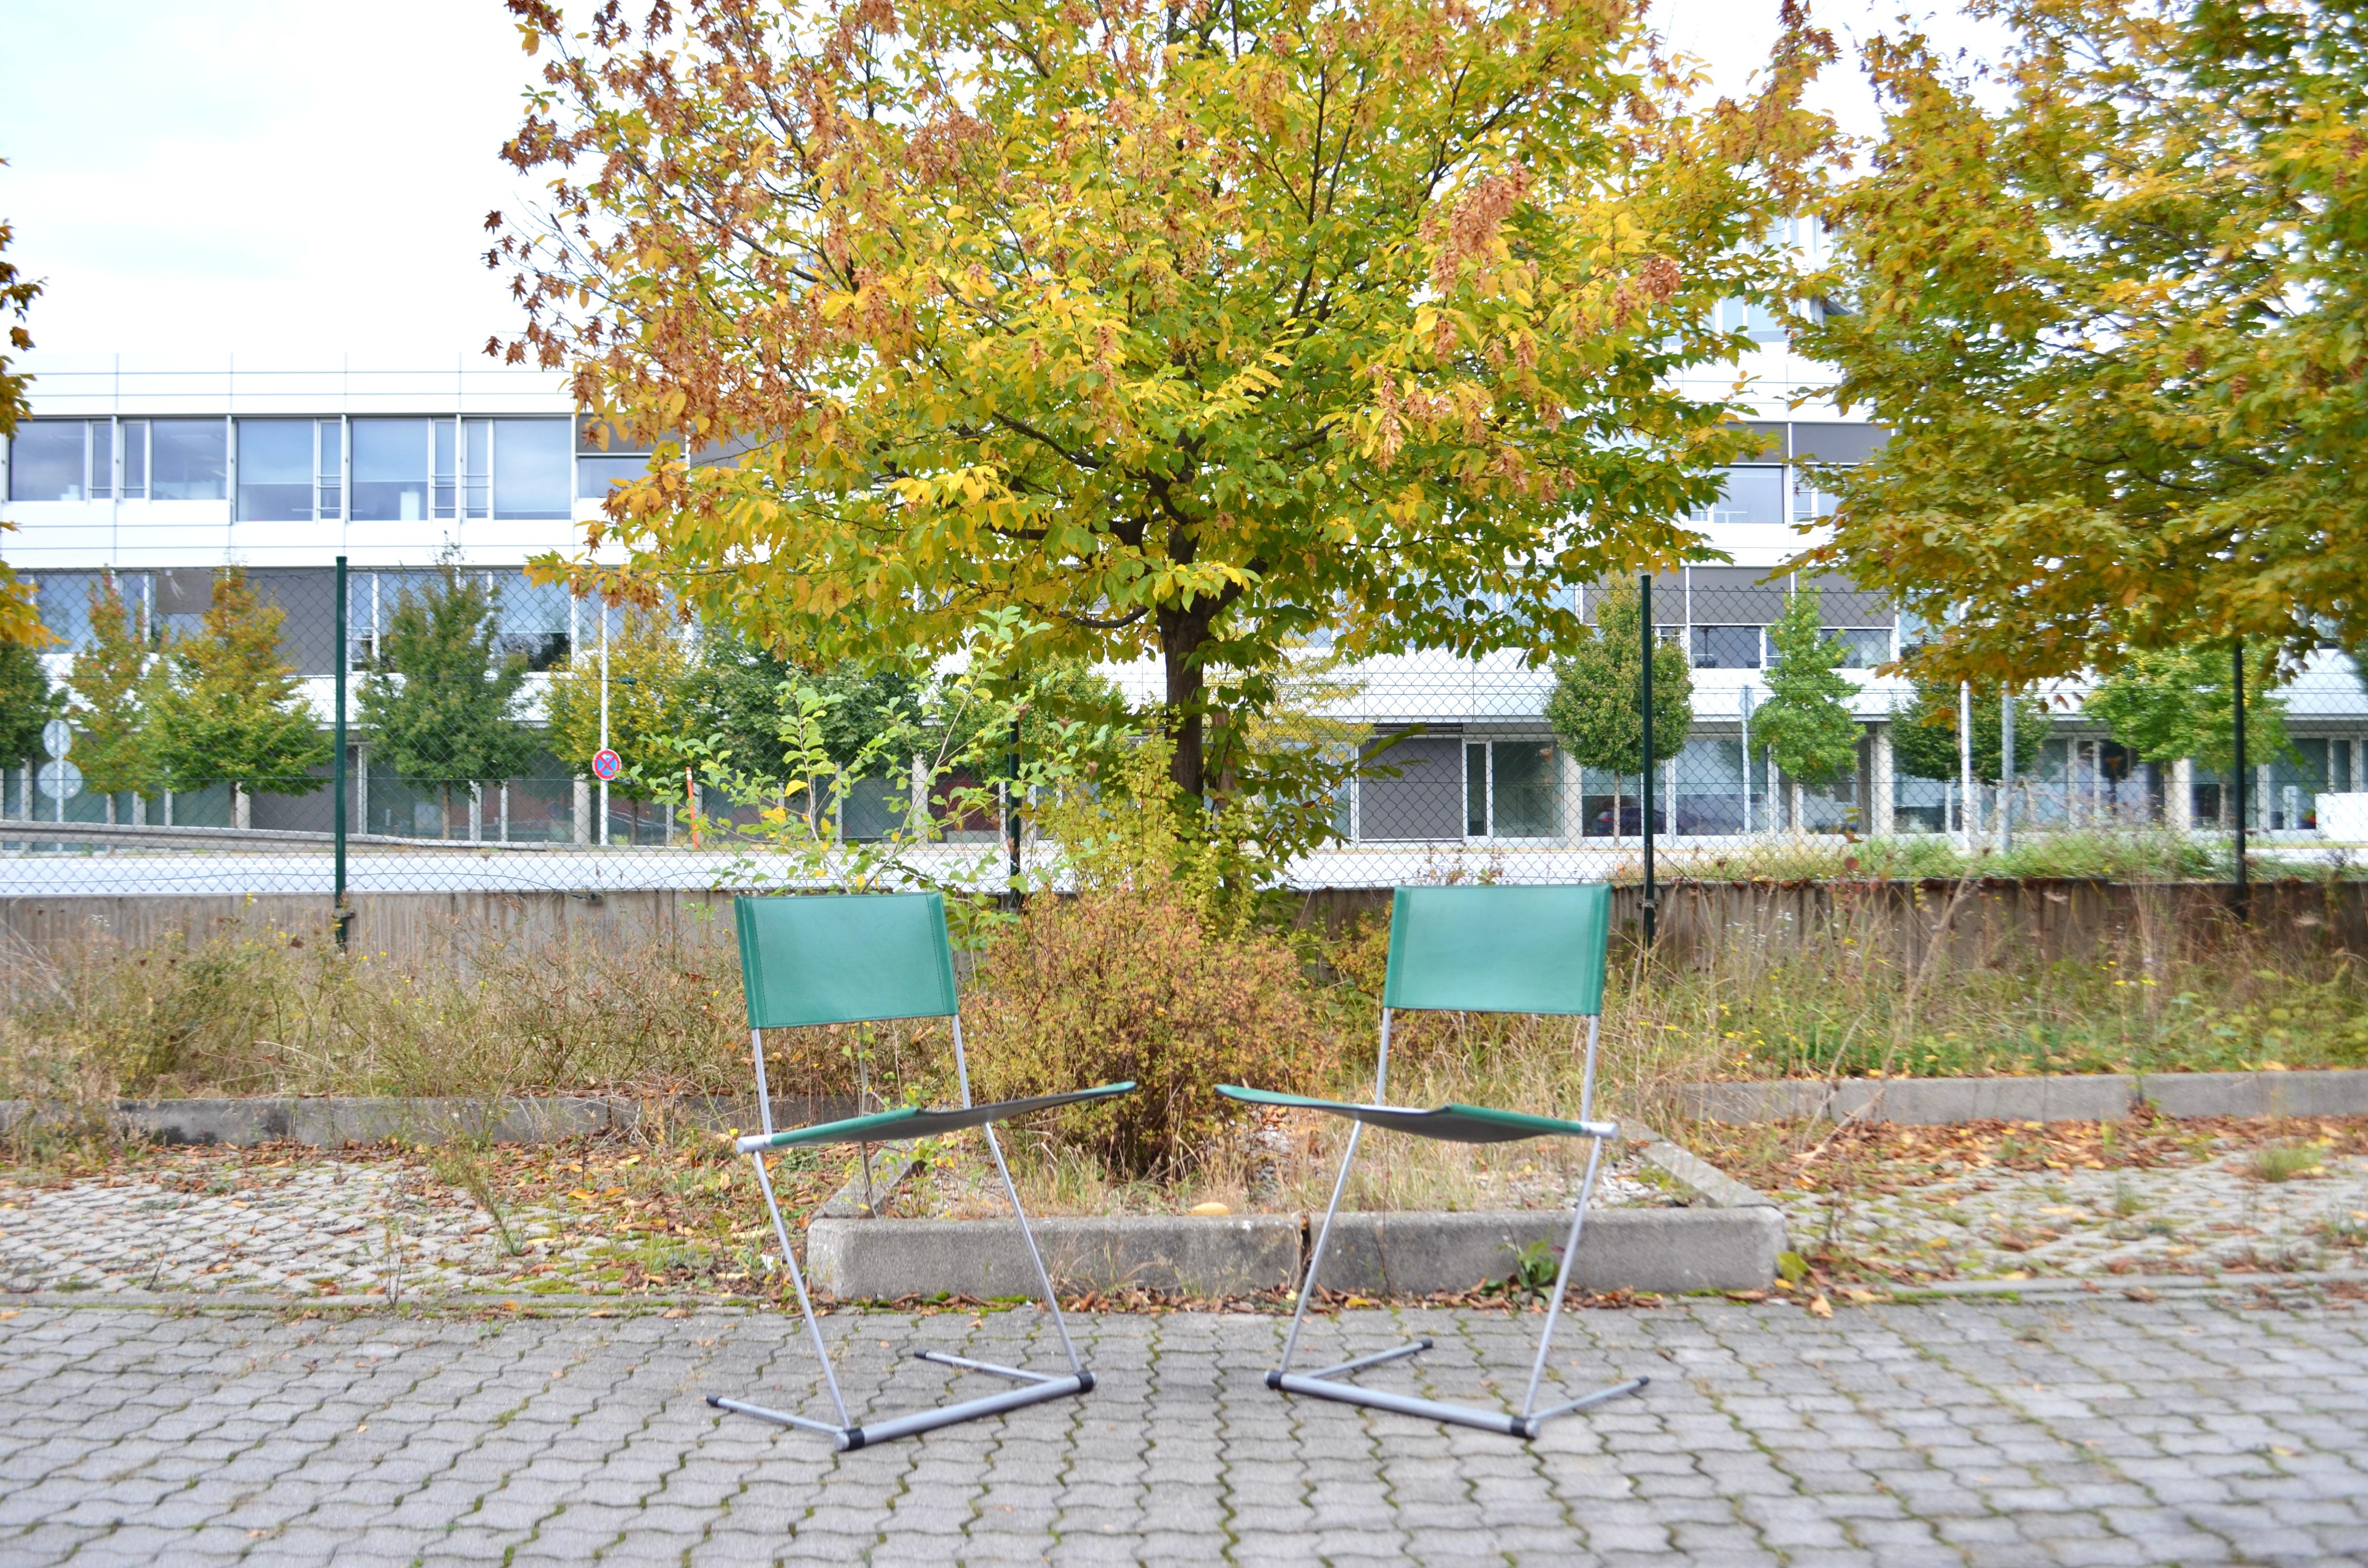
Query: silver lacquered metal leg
(1326, 1382)
(1036, 1387)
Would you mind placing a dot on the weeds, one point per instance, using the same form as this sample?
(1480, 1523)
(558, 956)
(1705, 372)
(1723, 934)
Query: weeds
(2284, 1162)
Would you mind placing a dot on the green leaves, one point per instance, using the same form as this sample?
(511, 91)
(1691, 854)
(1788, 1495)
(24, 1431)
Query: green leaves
(1597, 706)
(1806, 719)
(2115, 322)
(441, 707)
(1186, 334)
(228, 708)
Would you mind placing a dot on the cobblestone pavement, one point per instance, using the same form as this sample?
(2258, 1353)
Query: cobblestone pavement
(316, 1227)
(2191, 1429)
(2004, 1224)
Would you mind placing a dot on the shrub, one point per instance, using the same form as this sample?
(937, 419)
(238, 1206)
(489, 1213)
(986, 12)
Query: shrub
(1128, 982)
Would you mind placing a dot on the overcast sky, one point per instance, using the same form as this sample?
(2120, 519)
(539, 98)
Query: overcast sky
(292, 183)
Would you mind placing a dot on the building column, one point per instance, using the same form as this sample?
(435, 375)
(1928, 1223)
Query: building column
(582, 805)
(1882, 810)
(360, 822)
(916, 810)
(2180, 808)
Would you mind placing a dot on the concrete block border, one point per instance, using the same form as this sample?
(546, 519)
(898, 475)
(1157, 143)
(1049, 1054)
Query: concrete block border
(2071, 1098)
(1662, 1250)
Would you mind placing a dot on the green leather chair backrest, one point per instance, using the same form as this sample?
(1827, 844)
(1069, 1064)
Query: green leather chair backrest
(1498, 950)
(844, 958)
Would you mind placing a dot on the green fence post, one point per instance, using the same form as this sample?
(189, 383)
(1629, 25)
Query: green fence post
(338, 767)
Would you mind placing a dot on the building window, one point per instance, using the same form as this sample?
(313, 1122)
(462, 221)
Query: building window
(530, 469)
(390, 471)
(188, 460)
(1752, 492)
(134, 433)
(1756, 321)
(1863, 647)
(275, 471)
(49, 460)
(1726, 647)
(329, 449)
(605, 459)
(1512, 789)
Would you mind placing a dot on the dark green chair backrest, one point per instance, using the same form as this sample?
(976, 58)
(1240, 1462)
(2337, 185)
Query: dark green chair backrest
(845, 958)
(1498, 950)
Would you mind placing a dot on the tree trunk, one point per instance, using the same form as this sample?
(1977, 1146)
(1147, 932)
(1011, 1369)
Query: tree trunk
(1182, 633)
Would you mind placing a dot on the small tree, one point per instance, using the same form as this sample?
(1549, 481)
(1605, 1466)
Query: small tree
(650, 707)
(1806, 719)
(111, 678)
(228, 707)
(1924, 733)
(2180, 702)
(442, 705)
(26, 702)
(1596, 705)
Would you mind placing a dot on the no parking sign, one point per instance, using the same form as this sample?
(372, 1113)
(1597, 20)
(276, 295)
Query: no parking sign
(607, 765)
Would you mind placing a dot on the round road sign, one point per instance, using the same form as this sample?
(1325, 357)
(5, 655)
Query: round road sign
(607, 764)
(57, 737)
(58, 780)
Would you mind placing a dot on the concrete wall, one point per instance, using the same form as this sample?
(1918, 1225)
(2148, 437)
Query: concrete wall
(2064, 918)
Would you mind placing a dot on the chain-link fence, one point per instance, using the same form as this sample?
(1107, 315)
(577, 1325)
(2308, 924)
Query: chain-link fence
(497, 735)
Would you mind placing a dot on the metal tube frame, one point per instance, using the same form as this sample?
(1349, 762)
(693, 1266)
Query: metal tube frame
(847, 1433)
(1324, 1383)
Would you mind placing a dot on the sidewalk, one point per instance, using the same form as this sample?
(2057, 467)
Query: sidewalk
(2192, 1429)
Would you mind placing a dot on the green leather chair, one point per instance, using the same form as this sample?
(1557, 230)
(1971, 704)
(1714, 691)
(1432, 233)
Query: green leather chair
(1481, 950)
(858, 959)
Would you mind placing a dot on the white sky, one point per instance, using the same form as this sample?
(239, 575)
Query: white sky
(296, 182)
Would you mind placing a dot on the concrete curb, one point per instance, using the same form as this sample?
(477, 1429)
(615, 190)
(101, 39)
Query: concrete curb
(1669, 1251)
(2072, 1097)
(884, 1260)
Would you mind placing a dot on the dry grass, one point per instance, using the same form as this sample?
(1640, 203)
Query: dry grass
(237, 1014)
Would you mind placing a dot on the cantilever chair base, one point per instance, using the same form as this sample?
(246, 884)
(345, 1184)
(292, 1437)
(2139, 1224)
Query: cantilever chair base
(1325, 1385)
(1036, 1388)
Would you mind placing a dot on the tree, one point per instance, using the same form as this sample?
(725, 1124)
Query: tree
(649, 705)
(1807, 721)
(25, 702)
(442, 706)
(111, 680)
(1924, 733)
(2180, 702)
(228, 707)
(1597, 706)
(20, 619)
(1188, 330)
(2118, 325)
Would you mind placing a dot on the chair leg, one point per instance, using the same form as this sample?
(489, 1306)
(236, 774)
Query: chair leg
(1043, 1275)
(846, 1435)
(1531, 1417)
(1325, 1383)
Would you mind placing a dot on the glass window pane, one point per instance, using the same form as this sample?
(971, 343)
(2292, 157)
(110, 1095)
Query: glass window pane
(135, 459)
(1726, 647)
(102, 460)
(390, 464)
(188, 460)
(595, 476)
(530, 477)
(62, 601)
(1754, 493)
(447, 473)
(479, 468)
(45, 460)
(333, 466)
(275, 471)
(1476, 791)
(1863, 647)
(1525, 793)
